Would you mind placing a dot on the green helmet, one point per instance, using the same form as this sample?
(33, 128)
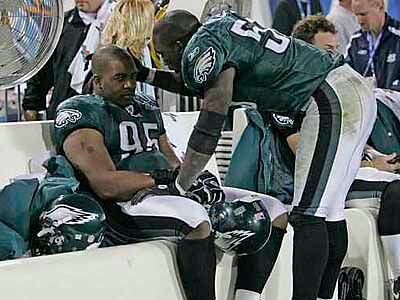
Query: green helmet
(71, 223)
(242, 226)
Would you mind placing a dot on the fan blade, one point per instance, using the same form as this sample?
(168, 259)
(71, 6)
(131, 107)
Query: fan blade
(9, 5)
(10, 63)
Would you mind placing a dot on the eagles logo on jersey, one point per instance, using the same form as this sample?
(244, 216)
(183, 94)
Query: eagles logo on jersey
(282, 121)
(204, 65)
(66, 116)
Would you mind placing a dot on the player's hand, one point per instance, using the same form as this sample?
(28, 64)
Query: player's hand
(386, 163)
(161, 190)
(164, 177)
(206, 189)
(31, 115)
(143, 72)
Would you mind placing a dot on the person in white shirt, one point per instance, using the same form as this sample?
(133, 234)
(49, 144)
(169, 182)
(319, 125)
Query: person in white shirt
(345, 22)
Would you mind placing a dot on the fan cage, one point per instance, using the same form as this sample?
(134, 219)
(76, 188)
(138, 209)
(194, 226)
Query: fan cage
(29, 33)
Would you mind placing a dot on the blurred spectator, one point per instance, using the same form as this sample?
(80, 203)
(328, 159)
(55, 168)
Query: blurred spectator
(214, 7)
(385, 136)
(289, 12)
(345, 22)
(131, 25)
(317, 30)
(65, 70)
(374, 50)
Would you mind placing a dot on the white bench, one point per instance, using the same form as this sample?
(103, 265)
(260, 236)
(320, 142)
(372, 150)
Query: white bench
(140, 271)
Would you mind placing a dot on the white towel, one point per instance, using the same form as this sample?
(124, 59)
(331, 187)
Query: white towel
(97, 23)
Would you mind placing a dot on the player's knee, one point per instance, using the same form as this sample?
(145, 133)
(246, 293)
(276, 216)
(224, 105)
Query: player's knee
(388, 220)
(390, 197)
(202, 231)
(281, 221)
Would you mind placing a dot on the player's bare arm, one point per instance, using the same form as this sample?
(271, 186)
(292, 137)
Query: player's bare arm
(87, 152)
(388, 163)
(166, 149)
(169, 81)
(293, 141)
(204, 137)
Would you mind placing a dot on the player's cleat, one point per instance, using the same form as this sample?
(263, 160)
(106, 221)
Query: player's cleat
(343, 285)
(396, 289)
(350, 283)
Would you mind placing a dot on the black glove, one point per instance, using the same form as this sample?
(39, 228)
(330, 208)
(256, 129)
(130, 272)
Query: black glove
(153, 191)
(164, 177)
(206, 189)
(143, 71)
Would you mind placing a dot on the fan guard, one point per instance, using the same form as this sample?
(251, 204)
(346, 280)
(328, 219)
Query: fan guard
(29, 33)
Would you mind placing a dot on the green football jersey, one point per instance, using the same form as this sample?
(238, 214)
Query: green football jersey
(278, 72)
(128, 131)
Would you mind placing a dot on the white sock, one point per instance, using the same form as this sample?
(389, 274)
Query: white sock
(323, 299)
(246, 295)
(391, 246)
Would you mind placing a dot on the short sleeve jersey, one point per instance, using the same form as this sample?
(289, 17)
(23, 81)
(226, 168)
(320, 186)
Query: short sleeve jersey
(128, 130)
(277, 72)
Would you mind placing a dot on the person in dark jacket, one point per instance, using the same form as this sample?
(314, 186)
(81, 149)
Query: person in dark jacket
(67, 61)
(289, 12)
(374, 50)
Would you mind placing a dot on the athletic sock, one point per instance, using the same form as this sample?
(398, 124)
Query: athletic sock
(310, 255)
(338, 241)
(391, 246)
(254, 269)
(196, 263)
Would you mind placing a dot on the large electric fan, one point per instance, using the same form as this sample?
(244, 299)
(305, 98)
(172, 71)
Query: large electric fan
(29, 32)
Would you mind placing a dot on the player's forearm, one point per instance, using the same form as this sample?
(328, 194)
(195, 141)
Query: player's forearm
(201, 146)
(192, 166)
(119, 186)
(169, 81)
(168, 151)
(207, 131)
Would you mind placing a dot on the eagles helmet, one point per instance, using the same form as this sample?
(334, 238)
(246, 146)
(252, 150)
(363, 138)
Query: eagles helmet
(242, 227)
(70, 223)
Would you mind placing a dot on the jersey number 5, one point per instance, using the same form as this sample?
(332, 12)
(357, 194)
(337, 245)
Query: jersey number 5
(272, 39)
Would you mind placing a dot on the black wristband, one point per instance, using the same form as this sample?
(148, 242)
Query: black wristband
(206, 132)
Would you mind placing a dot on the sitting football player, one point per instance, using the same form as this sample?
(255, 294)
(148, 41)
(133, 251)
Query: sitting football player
(117, 145)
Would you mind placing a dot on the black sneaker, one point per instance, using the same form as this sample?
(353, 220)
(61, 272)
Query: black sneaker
(354, 277)
(343, 285)
(396, 289)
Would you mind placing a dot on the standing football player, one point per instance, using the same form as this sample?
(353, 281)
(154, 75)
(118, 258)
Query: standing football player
(233, 59)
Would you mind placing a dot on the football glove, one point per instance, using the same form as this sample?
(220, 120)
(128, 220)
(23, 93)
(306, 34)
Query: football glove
(206, 189)
(164, 177)
(161, 190)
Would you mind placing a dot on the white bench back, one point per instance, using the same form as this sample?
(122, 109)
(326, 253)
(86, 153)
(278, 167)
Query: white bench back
(24, 144)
